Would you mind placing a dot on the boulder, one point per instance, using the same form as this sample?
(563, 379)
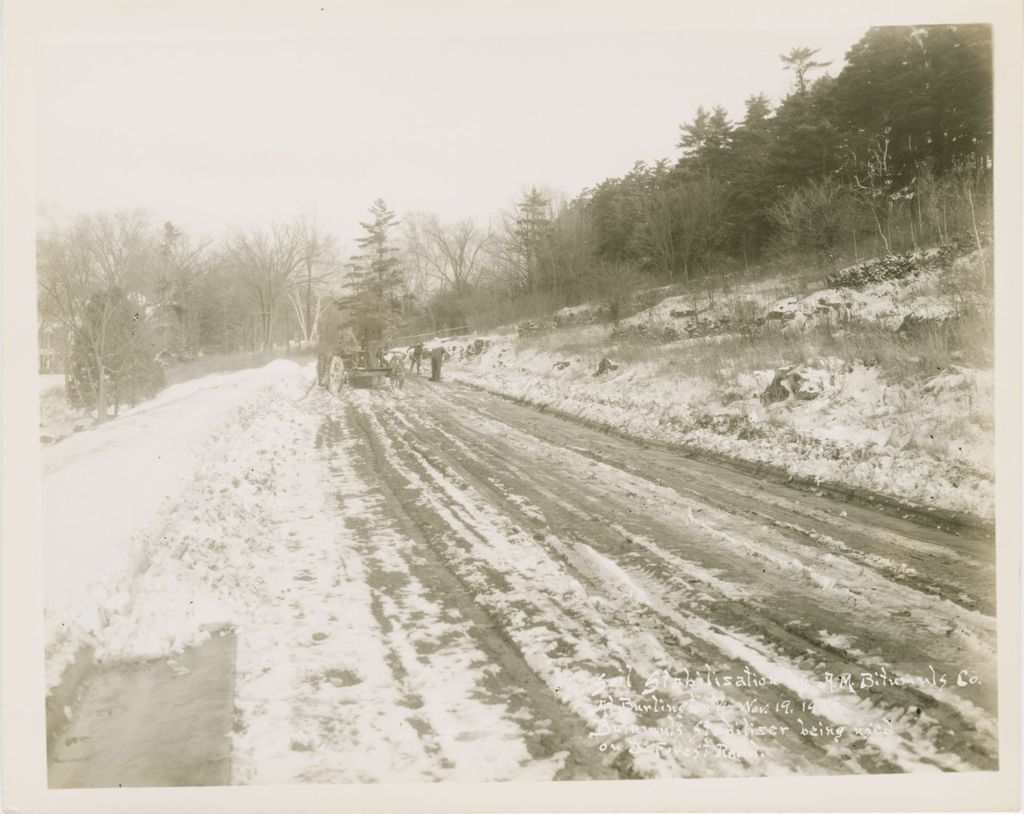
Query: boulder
(784, 310)
(806, 385)
(951, 380)
(796, 323)
(826, 307)
(801, 383)
(776, 391)
(605, 365)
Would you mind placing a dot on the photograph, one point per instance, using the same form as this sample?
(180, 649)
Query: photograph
(446, 396)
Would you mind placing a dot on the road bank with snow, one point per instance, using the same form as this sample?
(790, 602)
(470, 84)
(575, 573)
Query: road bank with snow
(877, 383)
(110, 491)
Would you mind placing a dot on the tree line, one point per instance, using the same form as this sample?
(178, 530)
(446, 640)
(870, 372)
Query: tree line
(894, 152)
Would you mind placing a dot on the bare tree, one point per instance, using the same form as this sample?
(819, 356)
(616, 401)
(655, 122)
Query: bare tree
(455, 252)
(872, 179)
(86, 275)
(683, 226)
(66, 279)
(504, 268)
(267, 263)
(568, 251)
(418, 272)
(815, 217)
(121, 246)
(319, 263)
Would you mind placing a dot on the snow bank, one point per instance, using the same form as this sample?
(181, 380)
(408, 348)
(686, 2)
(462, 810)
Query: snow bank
(927, 442)
(343, 638)
(107, 491)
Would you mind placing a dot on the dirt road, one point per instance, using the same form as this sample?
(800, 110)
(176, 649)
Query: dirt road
(598, 575)
(437, 584)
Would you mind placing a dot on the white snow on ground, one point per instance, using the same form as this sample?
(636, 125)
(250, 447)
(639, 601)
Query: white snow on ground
(50, 381)
(542, 607)
(107, 492)
(267, 529)
(57, 418)
(248, 500)
(555, 621)
(929, 442)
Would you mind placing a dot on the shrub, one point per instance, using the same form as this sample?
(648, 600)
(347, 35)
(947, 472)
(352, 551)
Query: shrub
(814, 217)
(732, 425)
(614, 286)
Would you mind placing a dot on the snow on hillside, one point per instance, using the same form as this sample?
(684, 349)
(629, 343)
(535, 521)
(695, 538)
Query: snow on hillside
(926, 439)
(108, 490)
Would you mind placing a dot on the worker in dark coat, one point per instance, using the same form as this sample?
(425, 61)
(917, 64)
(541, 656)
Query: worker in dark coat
(437, 356)
(416, 358)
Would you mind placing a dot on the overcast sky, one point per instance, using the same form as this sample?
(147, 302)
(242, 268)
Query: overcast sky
(210, 130)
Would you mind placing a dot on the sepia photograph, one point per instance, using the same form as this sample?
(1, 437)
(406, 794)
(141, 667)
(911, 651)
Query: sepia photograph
(426, 396)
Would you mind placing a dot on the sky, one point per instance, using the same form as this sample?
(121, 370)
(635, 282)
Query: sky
(213, 127)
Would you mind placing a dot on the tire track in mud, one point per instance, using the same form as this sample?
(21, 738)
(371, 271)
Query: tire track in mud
(805, 550)
(549, 728)
(818, 540)
(474, 584)
(792, 641)
(649, 622)
(950, 564)
(625, 621)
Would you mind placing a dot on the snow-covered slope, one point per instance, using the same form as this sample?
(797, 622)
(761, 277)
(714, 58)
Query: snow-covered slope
(693, 372)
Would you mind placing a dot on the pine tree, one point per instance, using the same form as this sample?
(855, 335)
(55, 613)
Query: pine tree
(705, 141)
(927, 89)
(806, 142)
(801, 62)
(532, 225)
(112, 353)
(748, 177)
(375, 278)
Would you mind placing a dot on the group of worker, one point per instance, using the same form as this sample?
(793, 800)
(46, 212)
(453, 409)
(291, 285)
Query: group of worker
(437, 356)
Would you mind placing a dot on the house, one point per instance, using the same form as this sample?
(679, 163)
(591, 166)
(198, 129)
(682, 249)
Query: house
(54, 344)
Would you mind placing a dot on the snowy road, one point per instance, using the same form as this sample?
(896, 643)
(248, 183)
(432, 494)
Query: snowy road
(438, 584)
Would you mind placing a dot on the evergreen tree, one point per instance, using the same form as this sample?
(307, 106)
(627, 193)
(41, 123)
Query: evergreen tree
(801, 62)
(531, 228)
(705, 141)
(927, 90)
(375, 279)
(617, 209)
(112, 354)
(806, 140)
(748, 177)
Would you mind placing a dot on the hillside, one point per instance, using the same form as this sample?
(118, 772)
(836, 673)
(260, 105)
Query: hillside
(876, 378)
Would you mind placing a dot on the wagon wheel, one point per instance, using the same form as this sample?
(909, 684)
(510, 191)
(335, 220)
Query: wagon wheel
(336, 375)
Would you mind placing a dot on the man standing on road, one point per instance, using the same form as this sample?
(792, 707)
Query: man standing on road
(417, 356)
(437, 356)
